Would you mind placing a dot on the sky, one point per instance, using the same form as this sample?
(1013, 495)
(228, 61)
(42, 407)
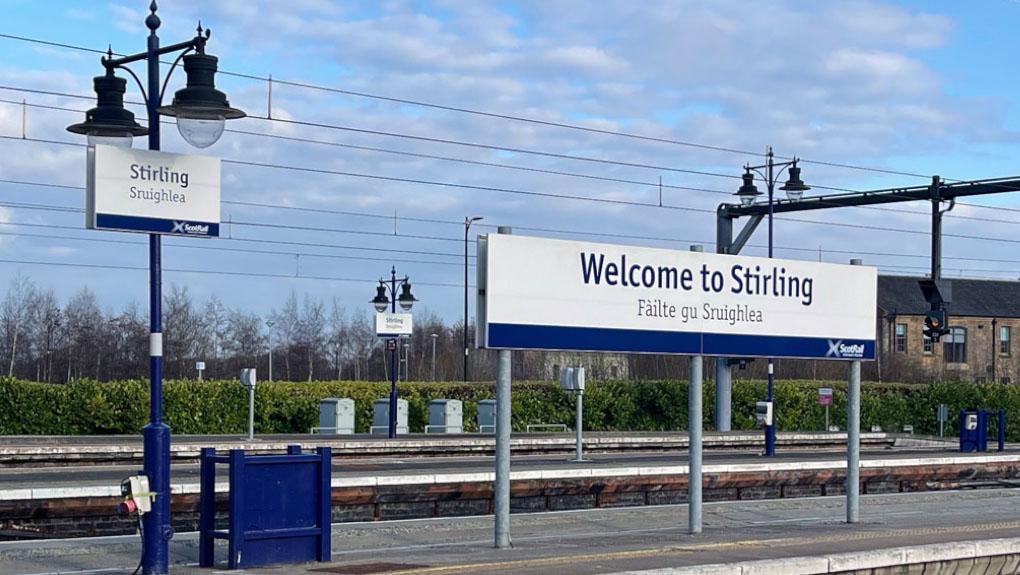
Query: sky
(389, 92)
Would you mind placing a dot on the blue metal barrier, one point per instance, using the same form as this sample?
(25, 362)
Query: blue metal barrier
(278, 512)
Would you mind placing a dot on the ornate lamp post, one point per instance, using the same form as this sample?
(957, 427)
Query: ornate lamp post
(200, 110)
(794, 188)
(381, 302)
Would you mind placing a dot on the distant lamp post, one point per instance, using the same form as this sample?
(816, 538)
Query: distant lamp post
(748, 194)
(386, 297)
(434, 337)
(269, 327)
(467, 226)
(200, 110)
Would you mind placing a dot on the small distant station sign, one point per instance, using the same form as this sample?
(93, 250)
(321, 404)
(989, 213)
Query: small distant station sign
(393, 324)
(152, 192)
(551, 294)
(825, 396)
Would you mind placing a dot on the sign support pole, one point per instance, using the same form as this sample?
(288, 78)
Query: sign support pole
(694, 417)
(579, 408)
(156, 435)
(502, 487)
(853, 438)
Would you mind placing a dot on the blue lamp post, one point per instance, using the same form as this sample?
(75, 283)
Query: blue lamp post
(200, 110)
(381, 301)
(748, 192)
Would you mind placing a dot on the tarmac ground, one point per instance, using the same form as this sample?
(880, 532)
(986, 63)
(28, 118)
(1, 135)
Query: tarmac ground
(587, 542)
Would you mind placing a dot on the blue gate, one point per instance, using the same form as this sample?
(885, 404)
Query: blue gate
(278, 512)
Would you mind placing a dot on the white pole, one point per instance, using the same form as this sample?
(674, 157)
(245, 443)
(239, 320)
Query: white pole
(694, 414)
(853, 436)
(579, 408)
(251, 413)
(502, 487)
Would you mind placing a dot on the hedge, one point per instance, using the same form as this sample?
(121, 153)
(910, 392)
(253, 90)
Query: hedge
(220, 407)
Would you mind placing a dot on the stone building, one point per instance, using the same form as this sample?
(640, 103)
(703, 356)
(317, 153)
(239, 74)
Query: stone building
(984, 318)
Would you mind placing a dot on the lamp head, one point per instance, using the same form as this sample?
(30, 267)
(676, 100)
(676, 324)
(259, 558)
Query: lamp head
(199, 107)
(380, 301)
(794, 186)
(406, 299)
(748, 192)
(109, 123)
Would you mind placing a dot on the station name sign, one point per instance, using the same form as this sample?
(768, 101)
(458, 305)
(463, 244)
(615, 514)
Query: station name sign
(393, 324)
(152, 192)
(553, 294)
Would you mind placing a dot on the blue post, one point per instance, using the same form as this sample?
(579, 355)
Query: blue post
(1002, 430)
(207, 508)
(393, 359)
(156, 528)
(325, 503)
(770, 430)
(235, 544)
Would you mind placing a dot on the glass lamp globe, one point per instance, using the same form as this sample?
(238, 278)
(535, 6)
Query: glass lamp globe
(200, 132)
(118, 141)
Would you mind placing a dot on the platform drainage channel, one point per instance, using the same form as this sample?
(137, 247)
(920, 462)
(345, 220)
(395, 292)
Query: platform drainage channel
(369, 568)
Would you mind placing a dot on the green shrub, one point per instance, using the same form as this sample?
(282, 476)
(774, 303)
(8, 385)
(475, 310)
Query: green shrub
(220, 407)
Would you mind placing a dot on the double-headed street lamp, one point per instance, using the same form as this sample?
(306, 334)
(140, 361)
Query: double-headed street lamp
(748, 193)
(382, 301)
(200, 110)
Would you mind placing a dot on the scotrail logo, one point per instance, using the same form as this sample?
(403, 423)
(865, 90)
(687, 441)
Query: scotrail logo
(190, 229)
(839, 349)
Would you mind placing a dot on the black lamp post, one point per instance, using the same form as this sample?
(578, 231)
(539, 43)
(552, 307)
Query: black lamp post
(467, 226)
(381, 301)
(200, 110)
(794, 188)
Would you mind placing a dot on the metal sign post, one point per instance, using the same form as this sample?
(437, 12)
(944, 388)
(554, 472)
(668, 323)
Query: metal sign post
(248, 380)
(853, 438)
(825, 398)
(943, 416)
(502, 487)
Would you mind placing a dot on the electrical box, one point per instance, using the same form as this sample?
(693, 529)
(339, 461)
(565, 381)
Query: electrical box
(137, 497)
(445, 416)
(381, 416)
(336, 416)
(487, 416)
(248, 377)
(572, 379)
(763, 413)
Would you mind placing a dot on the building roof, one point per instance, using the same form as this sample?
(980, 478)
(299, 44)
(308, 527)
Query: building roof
(901, 295)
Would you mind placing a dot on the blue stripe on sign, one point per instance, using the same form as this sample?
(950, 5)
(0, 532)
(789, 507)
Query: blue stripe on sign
(157, 225)
(548, 337)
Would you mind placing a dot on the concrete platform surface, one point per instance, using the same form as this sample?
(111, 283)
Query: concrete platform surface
(605, 540)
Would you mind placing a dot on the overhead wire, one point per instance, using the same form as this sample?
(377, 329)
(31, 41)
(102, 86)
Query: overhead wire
(646, 184)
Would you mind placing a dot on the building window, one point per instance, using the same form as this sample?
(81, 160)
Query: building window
(901, 338)
(1004, 380)
(929, 346)
(614, 371)
(1004, 340)
(955, 347)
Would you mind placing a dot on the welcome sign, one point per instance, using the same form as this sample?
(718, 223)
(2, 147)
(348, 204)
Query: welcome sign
(152, 192)
(549, 294)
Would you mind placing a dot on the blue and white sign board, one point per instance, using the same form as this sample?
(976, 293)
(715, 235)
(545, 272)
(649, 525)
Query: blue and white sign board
(152, 192)
(393, 324)
(550, 294)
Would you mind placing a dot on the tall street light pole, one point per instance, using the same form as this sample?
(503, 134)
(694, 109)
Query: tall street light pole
(269, 328)
(794, 188)
(200, 110)
(467, 226)
(381, 302)
(434, 337)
